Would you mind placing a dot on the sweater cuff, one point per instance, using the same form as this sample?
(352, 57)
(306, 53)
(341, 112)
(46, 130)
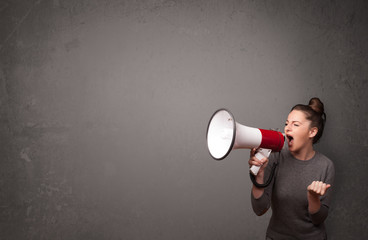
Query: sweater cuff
(320, 216)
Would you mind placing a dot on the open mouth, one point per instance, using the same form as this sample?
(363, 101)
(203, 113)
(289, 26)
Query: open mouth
(290, 139)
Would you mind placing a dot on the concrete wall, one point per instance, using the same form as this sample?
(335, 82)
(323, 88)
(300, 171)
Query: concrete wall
(104, 108)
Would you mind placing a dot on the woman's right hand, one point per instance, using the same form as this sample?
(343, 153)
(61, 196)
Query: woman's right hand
(253, 160)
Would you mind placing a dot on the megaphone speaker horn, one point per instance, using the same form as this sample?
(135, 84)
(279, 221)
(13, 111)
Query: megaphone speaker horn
(225, 134)
(221, 132)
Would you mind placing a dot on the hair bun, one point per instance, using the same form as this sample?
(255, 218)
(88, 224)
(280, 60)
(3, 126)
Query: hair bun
(316, 104)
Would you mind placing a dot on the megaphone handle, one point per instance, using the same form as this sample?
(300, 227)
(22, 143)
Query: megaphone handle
(261, 153)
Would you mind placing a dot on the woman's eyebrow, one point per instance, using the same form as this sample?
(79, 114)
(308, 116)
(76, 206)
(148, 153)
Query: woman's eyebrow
(294, 121)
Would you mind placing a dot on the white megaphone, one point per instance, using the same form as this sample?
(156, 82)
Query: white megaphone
(224, 134)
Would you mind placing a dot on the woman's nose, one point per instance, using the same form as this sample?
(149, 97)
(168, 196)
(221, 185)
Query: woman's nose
(287, 129)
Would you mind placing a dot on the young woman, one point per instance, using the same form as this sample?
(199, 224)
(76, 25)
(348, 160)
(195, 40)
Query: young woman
(299, 193)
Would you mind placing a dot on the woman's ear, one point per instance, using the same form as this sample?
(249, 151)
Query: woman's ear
(313, 132)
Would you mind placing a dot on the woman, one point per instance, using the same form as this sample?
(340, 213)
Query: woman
(299, 193)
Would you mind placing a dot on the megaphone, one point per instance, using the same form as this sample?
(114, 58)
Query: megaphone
(225, 134)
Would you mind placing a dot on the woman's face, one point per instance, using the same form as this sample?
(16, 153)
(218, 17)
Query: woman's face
(299, 133)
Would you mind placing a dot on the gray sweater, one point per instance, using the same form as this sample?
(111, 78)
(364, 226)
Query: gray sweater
(287, 196)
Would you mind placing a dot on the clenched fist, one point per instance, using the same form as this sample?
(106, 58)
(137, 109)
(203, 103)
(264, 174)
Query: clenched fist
(318, 188)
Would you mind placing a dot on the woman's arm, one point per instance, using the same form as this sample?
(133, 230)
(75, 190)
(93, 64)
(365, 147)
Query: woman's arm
(260, 197)
(319, 196)
(258, 192)
(315, 190)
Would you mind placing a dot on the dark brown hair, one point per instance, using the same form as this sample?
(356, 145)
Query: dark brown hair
(315, 112)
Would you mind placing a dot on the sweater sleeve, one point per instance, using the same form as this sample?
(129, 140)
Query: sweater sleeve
(320, 216)
(262, 204)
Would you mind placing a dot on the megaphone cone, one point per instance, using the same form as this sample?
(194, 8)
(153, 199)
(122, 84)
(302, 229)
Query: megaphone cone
(225, 134)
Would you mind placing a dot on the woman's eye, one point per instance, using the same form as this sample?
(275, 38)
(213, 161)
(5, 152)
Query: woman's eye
(296, 125)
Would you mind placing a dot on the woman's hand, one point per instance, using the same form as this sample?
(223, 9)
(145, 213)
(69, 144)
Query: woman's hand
(315, 190)
(318, 188)
(253, 160)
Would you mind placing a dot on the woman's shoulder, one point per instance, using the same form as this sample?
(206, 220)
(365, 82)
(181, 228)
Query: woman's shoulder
(277, 156)
(323, 158)
(326, 165)
(323, 162)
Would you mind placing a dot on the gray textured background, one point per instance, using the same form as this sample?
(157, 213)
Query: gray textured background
(104, 108)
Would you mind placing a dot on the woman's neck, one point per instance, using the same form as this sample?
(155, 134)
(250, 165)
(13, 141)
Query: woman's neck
(304, 154)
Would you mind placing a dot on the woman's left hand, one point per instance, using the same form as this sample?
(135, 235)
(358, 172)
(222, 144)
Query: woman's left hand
(318, 188)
